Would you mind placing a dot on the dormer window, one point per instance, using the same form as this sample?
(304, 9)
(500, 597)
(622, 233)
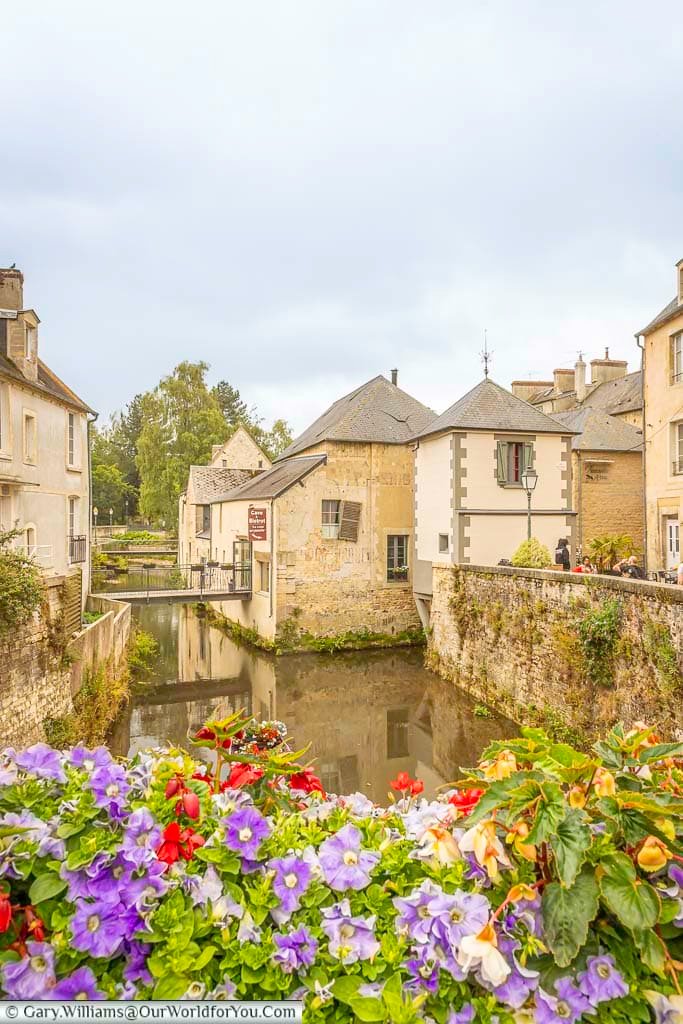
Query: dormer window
(30, 340)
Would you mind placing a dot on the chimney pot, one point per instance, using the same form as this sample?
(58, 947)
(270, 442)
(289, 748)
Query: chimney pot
(394, 377)
(580, 379)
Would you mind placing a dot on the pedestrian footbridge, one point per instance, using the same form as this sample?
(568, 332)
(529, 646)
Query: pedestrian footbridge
(174, 583)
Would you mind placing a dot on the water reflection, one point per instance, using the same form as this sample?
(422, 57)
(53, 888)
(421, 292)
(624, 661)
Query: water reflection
(365, 715)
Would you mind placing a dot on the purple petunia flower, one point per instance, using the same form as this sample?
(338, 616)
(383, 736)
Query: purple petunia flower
(459, 914)
(41, 833)
(350, 938)
(344, 864)
(110, 786)
(90, 760)
(82, 984)
(424, 971)
(474, 872)
(601, 980)
(141, 838)
(99, 928)
(567, 1008)
(292, 879)
(42, 761)
(226, 990)
(465, 1015)
(135, 968)
(295, 951)
(517, 987)
(33, 976)
(245, 830)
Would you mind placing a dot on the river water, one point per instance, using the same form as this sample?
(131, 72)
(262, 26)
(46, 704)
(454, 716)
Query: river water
(366, 715)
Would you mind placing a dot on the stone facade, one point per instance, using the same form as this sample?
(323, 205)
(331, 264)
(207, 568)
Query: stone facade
(512, 637)
(608, 495)
(40, 675)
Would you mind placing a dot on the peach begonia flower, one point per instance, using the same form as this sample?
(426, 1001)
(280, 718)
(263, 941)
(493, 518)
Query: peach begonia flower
(489, 852)
(481, 952)
(501, 768)
(439, 845)
(653, 854)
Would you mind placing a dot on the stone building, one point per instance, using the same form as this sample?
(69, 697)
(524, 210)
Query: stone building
(331, 534)
(470, 503)
(611, 390)
(662, 342)
(232, 463)
(44, 452)
(607, 475)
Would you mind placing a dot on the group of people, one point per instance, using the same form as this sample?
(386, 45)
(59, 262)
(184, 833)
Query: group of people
(627, 567)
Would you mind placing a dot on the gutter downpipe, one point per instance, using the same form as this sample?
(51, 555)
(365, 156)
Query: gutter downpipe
(640, 342)
(272, 554)
(89, 424)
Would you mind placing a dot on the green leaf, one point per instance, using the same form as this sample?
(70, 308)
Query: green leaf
(551, 810)
(567, 913)
(368, 1009)
(651, 950)
(69, 828)
(659, 751)
(171, 986)
(44, 887)
(202, 960)
(346, 988)
(392, 994)
(569, 844)
(633, 901)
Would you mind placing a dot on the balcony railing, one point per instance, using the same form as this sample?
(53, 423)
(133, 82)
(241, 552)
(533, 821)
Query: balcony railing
(78, 549)
(677, 468)
(233, 578)
(41, 554)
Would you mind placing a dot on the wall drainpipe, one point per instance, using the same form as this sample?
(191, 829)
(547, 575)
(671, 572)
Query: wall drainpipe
(640, 342)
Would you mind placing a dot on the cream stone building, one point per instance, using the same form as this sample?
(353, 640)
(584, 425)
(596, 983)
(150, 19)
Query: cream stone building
(328, 530)
(44, 465)
(662, 343)
(232, 463)
(470, 505)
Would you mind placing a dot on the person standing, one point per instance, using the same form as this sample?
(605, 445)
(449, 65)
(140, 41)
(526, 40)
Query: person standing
(562, 556)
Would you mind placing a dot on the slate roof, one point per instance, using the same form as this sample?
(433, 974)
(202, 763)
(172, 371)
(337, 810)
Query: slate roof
(48, 383)
(210, 481)
(614, 396)
(275, 481)
(488, 406)
(667, 313)
(377, 411)
(598, 431)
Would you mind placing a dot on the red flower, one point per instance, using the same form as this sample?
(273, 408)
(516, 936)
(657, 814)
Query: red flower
(465, 800)
(243, 775)
(5, 912)
(35, 926)
(307, 781)
(172, 787)
(404, 784)
(178, 843)
(205, 733)
(191, 805)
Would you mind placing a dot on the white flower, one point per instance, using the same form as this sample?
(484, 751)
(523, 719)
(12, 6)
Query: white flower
(482, 841)
(480, 951)
(439, 845)
(668, 1009)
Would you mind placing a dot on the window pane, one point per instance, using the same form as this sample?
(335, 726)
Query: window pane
(331, 515)
(397, 557)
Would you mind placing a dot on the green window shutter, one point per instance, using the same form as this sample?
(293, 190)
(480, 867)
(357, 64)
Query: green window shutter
(528, 457)
(502, 457)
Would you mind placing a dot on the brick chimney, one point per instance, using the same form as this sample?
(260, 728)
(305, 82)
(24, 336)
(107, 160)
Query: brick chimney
(580, 379)
(563, 380)
(394, 378)
(606, 369)
(11, 289)
(526, 389)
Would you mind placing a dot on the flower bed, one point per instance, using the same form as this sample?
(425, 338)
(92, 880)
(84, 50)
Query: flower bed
(547, 888)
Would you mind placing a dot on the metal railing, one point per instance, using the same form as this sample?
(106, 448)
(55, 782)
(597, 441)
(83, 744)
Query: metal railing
(150, 579)
(41, 554)
(78, 549)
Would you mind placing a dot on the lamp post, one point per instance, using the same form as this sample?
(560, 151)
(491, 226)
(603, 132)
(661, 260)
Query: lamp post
(95, 513)
(126, 512)
(529, 481)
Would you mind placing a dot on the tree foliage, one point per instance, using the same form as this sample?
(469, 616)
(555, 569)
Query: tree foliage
(21, 587)
(609, 548)
(531, 554)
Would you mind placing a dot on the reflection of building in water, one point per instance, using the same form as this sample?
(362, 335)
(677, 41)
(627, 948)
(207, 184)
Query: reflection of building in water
(365, 717)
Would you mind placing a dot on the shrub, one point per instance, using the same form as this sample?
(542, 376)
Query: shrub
(609, 548)
(142, 654)
(531, 554)
(21, 587)
(545, 888)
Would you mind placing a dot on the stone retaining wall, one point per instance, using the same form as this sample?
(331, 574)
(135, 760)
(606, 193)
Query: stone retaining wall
(529, 642)
(39, 674)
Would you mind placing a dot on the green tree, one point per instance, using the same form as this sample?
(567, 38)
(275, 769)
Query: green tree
(232, 406)
(110, 490)
(275, 440)
(182, 420)
(115, 445)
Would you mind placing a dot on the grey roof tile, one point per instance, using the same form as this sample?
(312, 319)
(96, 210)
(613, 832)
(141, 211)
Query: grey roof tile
(598, 431)
(488, 406)
(669, 311)
(210, 481)
(48, 383)
(275, 481)
(377, 411)
(614, 396)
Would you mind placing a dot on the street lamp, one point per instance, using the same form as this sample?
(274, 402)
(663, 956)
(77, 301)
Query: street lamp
(529, 481)
(126, 512)
(111, 516)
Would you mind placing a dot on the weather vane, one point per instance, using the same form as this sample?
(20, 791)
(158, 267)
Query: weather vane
(486, 355)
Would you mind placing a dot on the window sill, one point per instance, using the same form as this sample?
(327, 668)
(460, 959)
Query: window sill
(397, 584)
(30, 462)
(73, 469)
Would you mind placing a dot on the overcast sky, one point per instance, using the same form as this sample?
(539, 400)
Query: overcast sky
(307, 193)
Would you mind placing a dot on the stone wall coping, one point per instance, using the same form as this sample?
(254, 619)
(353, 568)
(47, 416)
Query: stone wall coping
(666, 592)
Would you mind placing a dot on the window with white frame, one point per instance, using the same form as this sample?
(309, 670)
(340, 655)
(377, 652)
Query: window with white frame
(73, 517)
(264, 577)
(30, 342)
(677, 448)
(5, 423)
(6, 519)
(71, 439)
(677, 358)
(397, 558)
(30, 438)
(331, 519)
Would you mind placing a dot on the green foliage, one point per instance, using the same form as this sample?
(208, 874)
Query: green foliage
(610, 548)
(531, 554)
(662, 652)
(96, 705)
(143, 652)
(21, 586)
(110, 490)
(182, 420)
(599, 630)
(116, 445)
(236, 413)
(481, 711)
(89, 617)
(136, 537)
